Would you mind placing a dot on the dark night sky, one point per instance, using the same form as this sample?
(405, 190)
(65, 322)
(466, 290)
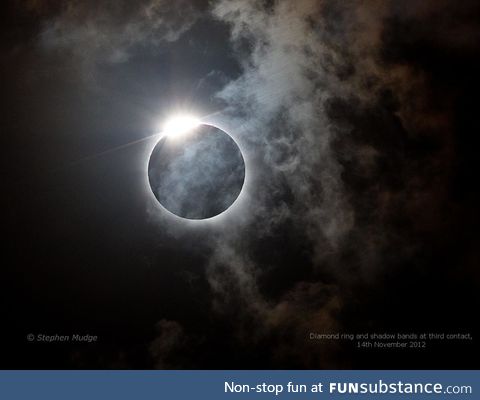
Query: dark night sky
(358, 122)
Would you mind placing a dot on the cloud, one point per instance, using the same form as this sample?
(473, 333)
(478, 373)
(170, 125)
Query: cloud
(167, 347)
(326, 120)
(106, 32)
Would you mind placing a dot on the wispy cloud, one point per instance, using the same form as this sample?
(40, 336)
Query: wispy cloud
(106, 32)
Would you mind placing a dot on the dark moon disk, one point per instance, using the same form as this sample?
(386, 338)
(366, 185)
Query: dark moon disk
(197, 175)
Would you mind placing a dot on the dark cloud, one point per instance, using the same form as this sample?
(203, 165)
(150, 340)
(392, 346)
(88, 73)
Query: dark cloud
(167, 347)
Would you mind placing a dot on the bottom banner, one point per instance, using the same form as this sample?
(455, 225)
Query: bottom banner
(233, 385)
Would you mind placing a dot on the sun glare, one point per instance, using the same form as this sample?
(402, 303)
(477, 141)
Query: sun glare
(179, 125)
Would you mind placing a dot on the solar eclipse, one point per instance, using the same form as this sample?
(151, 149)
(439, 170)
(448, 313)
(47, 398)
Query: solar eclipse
(196, 171)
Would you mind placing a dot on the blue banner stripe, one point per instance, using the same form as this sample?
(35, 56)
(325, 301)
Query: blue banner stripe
(213, 385)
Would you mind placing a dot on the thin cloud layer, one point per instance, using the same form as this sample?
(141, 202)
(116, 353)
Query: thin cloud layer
(106, 32)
